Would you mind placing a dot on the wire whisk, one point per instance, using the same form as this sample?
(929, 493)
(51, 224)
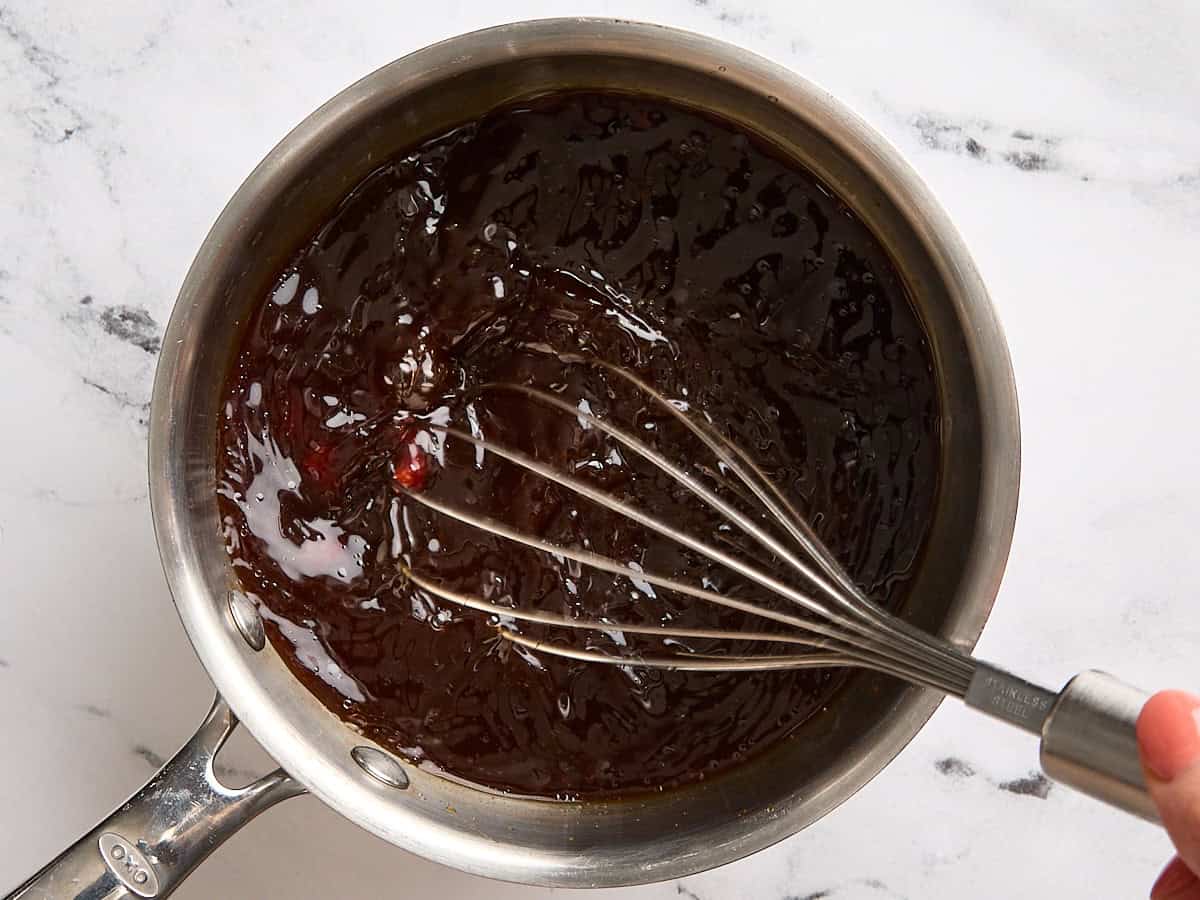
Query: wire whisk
(842, 626)
(1087, 729)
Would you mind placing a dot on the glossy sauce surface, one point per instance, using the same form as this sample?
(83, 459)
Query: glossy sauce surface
(626, 230)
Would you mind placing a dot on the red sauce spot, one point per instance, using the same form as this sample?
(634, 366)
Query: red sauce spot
(318, 463)
(412, 467)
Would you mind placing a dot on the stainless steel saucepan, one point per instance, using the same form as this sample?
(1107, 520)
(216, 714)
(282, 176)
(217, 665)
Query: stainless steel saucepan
(153, 841)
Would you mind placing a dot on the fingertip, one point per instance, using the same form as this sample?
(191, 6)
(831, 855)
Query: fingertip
(1168, 732)
(1177, 882)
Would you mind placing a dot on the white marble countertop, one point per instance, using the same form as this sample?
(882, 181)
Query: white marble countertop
(1064, 139)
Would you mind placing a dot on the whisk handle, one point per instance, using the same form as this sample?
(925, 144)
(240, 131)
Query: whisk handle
(1089, 742)
(1088, 731)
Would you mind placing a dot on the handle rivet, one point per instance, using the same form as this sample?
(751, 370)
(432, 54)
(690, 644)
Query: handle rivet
(247, 619)
(380, 766)
(118, 852)
(140, 877)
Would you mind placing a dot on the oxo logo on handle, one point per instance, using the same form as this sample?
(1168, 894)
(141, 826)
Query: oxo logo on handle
(128, 864)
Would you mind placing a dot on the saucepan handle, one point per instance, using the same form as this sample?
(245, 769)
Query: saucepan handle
(154, 840)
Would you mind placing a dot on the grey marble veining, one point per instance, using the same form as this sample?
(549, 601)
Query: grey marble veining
(1064, 142)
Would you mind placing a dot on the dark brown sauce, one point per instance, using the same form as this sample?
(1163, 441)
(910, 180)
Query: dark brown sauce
(634, 231)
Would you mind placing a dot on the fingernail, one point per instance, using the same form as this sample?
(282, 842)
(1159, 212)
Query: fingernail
(1168, 731)
(1174, 878)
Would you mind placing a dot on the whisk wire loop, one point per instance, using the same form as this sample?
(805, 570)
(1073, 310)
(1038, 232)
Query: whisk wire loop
(842, 626)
